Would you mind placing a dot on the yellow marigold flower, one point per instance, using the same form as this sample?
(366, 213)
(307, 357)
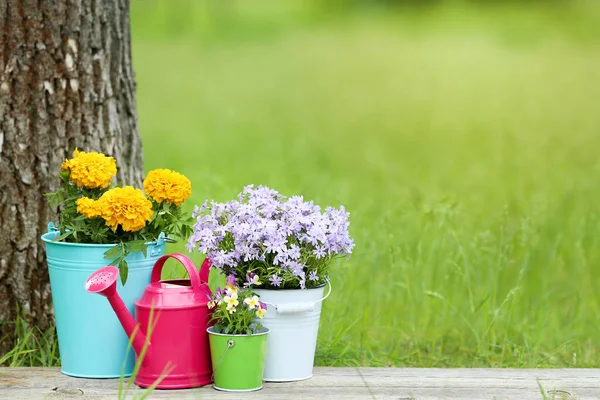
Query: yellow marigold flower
(90, 170)
(127, 207)
(89, 208)
(167, 185)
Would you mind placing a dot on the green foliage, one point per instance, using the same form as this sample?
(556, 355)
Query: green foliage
(73, 226)
(33, 347)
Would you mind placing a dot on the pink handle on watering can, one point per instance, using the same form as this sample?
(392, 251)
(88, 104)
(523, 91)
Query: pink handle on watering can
(205, 270)
(196, 279)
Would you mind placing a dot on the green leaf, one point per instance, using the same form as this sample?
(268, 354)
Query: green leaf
(227, 329)
(113, 252)
(123, 271)
(259, 327)
(218, 328)
(137, 245)
(249, 331)
(63, 236)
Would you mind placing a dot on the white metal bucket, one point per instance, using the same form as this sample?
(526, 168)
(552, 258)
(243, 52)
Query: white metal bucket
(293, 319)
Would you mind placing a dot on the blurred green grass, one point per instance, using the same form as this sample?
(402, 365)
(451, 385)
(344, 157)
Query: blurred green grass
(463, 141)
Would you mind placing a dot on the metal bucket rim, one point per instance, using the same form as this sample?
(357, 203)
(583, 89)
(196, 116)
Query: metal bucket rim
(46, 238)
(322, 285)
(313, 303)
(263, 331)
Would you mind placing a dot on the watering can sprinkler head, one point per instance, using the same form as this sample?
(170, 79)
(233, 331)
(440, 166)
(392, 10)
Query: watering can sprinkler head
(103, 281)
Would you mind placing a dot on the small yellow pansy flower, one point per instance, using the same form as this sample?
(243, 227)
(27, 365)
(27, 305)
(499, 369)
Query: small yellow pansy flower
(231, 289)
(232, 302)
(252, 279)
(231, 308)
(261, 312)
(251, 302)
(231, 296)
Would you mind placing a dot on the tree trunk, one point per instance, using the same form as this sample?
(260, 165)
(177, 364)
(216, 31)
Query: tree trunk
(66, 82)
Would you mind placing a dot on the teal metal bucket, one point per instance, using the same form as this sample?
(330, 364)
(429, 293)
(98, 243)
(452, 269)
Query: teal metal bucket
(91, 340)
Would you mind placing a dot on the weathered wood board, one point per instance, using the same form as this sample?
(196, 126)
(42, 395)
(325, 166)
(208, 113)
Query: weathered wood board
(335, 383)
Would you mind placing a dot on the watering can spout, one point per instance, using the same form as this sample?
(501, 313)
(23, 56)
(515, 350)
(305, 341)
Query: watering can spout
(104, 282)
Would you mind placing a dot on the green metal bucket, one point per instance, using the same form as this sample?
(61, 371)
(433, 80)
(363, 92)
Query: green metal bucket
(238, 360)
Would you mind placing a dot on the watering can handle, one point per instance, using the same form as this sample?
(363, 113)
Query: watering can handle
(205, 270)
(187, 263)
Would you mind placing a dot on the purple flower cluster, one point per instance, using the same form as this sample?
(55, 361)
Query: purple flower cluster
(282, 236)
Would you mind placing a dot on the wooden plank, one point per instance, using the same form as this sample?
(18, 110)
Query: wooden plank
(49, 383)
(334, 383)
(482, 383)
(482, 372)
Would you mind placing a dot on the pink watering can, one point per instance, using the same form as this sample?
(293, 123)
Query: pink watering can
(177, 349)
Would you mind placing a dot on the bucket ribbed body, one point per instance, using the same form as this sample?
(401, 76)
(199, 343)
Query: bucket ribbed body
(91, 340)
(238, 360)
(292, 338)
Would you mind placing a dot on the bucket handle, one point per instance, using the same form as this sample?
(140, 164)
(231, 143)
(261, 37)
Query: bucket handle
(230, 344)
(293, 308)
(188, 265)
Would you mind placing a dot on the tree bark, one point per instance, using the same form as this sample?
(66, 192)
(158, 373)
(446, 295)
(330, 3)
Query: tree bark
(66, 82)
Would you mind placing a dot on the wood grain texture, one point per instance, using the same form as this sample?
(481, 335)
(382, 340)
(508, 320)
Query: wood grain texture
(336, 383)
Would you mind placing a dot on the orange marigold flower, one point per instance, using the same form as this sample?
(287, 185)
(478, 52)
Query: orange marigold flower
(167, 185)
(90, 170)
(127, 207)
(89, 208)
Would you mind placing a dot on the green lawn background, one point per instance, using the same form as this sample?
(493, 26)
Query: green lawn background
(463, 141)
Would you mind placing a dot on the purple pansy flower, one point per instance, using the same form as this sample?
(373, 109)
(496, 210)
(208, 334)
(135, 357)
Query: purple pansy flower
(219, 294)
(231, 280)
(251, 279)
